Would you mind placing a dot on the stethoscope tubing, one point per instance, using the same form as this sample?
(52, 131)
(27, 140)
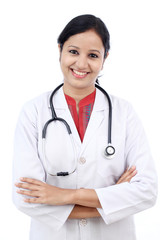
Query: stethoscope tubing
(54, 115)
(109, 150)
(109, 114)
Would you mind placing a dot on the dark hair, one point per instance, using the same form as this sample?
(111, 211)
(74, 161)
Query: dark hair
(83, 23)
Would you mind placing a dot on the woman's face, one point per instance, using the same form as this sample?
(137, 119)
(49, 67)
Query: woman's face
(81, 60)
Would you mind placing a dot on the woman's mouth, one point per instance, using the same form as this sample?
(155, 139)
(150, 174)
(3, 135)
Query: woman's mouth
(79, 74)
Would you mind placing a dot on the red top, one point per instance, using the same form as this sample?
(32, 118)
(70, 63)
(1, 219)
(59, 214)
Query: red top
(85, 110)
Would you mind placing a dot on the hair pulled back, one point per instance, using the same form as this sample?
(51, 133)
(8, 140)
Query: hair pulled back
(83, 23)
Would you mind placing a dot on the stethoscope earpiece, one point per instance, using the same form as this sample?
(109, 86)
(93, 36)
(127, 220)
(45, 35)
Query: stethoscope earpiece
(109, 152)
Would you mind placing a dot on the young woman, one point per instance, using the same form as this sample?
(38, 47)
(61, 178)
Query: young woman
(82, 164)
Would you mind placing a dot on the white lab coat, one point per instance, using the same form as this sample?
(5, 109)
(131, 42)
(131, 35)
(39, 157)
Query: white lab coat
(93, 170)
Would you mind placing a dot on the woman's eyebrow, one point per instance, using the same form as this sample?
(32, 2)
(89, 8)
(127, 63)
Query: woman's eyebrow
(73, 46)
(94, 50)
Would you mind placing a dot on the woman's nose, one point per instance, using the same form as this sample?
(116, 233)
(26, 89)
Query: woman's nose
(82, 62)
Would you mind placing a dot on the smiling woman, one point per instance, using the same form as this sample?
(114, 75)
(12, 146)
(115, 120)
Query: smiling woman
(82, 59)
(70, 186)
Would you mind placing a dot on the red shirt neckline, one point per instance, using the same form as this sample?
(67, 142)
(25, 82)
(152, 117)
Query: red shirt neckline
(85, 110)
(87, 100)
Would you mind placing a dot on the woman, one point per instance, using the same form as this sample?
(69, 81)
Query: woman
(64, 181)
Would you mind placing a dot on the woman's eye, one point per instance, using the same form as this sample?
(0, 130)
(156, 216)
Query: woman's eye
(92, 55)
(73, 52)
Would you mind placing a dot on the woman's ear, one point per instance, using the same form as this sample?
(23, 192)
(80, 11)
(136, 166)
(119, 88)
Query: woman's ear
(105, 59)
(60, 51)
(59, 47)
(107, 55)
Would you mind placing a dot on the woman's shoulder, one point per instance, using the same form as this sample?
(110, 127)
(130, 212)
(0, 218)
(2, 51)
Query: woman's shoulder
(36, 105)
(120, 103)
(38, 101)
(124, 108)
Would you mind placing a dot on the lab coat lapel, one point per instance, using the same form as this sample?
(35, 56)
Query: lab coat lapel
(96, 119)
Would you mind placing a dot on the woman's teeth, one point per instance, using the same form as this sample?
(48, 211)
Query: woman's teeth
(79, 73)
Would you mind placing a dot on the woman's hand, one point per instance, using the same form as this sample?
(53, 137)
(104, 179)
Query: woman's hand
(44, 193)
(127, 175)
(41, 192)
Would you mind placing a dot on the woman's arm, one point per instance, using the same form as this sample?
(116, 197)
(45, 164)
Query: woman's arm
(26, 162)
(85, 200)
(79, 212)
(43, 193)
(90, 212)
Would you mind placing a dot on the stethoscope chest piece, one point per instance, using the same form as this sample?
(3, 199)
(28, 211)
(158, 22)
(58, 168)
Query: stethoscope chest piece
(109, 152)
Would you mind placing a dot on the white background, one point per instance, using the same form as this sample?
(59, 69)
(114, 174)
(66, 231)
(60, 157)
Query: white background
(29, 65)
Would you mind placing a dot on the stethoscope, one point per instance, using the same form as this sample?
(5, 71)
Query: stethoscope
(109, 151)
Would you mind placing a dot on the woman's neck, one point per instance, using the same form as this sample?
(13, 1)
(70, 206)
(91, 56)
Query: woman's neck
(78, 94)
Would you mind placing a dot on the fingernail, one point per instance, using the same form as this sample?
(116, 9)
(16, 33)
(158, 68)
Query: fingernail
(133, 167)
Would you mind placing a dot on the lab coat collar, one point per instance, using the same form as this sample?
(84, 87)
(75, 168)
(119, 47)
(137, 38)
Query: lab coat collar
(59, 100)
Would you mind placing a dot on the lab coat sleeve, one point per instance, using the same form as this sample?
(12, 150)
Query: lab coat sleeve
(27, 163)
(120, 201)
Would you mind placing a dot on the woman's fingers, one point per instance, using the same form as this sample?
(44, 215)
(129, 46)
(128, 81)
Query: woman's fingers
(31, 188)
(127, 175)
(33, 200)
(32, 181)
(29, 183)
(27, 186)
(28, 193)
(35, 191)
(129, 172)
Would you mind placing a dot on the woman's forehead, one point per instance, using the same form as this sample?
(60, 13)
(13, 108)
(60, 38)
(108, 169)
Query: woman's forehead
(89, 38)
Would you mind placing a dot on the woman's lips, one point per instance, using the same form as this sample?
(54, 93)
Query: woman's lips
(79, 74)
